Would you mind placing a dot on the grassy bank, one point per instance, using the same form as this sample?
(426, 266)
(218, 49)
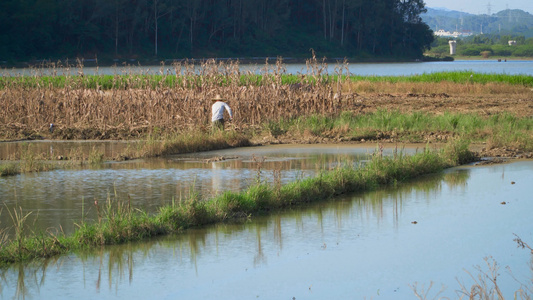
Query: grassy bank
(501, 130)
(456, 77)
(213, 73)
(118, 222)
(134, 81)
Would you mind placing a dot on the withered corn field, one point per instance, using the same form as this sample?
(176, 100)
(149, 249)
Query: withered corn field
(126, 106)
(130, 110)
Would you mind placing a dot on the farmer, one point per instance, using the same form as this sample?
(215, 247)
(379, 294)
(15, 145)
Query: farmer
(217, 116)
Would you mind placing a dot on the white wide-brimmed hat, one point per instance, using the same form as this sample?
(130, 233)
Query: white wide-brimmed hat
(217, 98)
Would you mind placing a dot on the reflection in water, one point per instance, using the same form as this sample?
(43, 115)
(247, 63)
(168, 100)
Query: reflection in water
(29, 278)
(259, 258)
(116, 265)
(373, 204)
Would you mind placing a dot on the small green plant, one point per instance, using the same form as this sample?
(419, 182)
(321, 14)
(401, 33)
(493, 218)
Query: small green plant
(9, 169)
(96, 157)
(275, 128)
(4, 236)
(19, 223)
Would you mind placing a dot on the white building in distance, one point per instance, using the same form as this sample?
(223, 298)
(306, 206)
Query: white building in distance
(455, 34)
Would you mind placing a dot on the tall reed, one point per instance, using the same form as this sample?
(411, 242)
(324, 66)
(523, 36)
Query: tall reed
(4, 236)
(19, 224)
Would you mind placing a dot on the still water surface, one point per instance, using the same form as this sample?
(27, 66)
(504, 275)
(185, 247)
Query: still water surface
(63, 197)
(361, 246)
(512, 67)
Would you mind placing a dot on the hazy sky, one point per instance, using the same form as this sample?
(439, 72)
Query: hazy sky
(481, 6)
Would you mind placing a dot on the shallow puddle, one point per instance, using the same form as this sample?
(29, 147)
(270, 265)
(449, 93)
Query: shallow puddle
(375, 245)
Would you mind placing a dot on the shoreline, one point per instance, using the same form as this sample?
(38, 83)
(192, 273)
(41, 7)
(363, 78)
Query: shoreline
(492, 58)
(168, 61)
(242, 60)
(119, 224)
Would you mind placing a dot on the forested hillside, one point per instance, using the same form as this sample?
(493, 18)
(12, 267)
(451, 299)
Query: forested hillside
(506, 22)
(108, 29)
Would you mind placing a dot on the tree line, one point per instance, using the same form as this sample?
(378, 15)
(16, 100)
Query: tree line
(485, 45)
(44, 29)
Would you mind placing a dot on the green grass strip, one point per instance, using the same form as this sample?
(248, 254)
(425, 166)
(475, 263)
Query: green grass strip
(499, 130)
(456, 77)
(119, 223)
(108, 82)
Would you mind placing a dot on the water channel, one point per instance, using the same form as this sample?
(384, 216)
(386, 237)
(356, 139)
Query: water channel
(374, 245)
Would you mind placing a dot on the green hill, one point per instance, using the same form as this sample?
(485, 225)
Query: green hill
(35, 30)
(505, 22)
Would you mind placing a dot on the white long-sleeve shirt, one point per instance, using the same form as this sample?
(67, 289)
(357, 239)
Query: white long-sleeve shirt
(218, 111)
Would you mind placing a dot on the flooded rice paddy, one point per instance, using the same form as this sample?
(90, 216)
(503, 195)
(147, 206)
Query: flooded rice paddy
(61, 198)
(374, 245)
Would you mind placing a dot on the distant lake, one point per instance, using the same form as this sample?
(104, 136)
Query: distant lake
(416, 68)
(511, 67)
